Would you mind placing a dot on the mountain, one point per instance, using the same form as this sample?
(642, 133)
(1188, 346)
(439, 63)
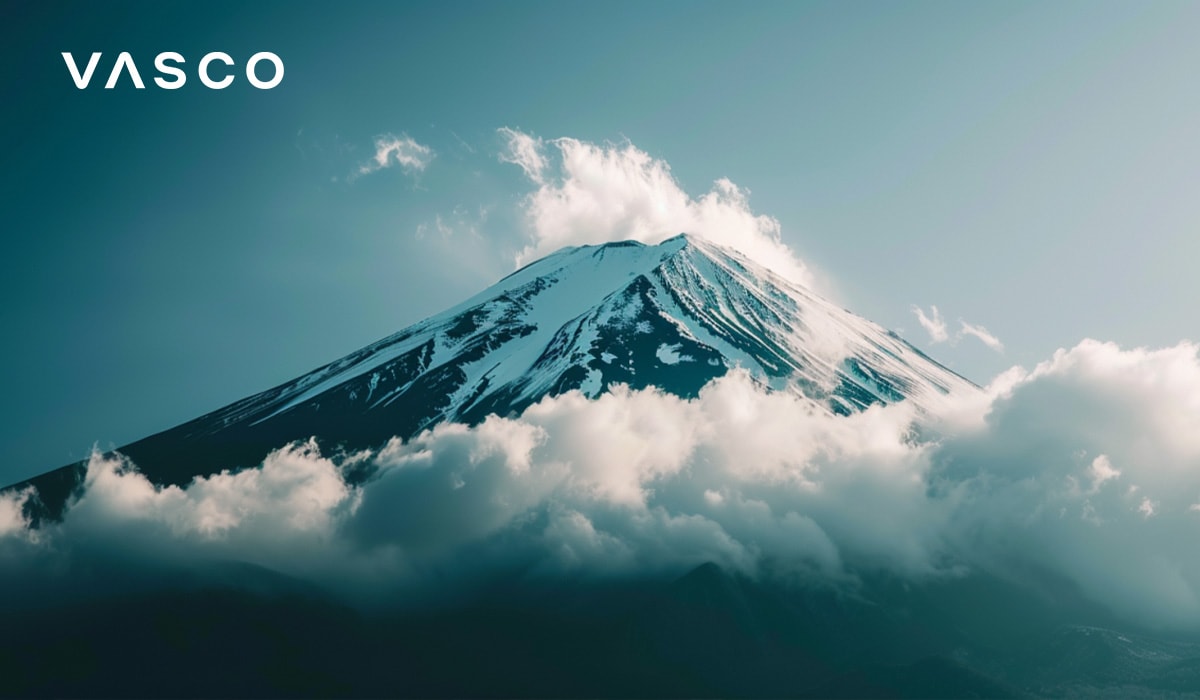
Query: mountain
(709, 633)
(673, 315)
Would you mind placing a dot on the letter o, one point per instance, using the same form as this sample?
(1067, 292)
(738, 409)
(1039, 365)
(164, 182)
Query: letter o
(209, 58)
(267, 56)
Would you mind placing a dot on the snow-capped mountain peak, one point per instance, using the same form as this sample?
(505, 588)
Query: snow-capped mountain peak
(674, 315)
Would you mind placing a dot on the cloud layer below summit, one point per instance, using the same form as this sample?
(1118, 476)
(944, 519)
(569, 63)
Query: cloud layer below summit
(1086, 468)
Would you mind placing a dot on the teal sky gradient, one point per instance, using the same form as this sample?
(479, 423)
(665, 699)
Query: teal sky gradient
(1030, 167)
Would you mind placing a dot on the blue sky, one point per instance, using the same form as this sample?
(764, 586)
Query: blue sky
(1026, 167)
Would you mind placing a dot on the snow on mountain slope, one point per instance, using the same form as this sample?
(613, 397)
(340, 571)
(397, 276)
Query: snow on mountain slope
(673, 315)
(585, 318)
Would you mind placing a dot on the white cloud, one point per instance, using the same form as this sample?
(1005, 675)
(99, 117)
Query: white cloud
(399, 150)
(588, 194)
(631, 483)
(933, 324)
(1085, 468)
(525, 151)
(12, 516)
(1101, 472)
(1020, 474)
(982, 334)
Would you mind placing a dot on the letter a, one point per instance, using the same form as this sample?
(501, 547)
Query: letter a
(126, 61)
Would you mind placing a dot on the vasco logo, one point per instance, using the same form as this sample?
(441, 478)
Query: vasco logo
(168, 64)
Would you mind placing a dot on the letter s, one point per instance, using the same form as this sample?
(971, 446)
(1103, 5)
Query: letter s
(160, 63)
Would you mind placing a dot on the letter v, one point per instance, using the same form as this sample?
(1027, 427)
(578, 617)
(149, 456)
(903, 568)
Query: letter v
(81, 82)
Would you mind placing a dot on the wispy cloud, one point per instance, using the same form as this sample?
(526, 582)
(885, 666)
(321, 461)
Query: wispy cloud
(935, 326)
(391, 150)
(982, 334)
(460, 221)
(933, 323)
(525, 151)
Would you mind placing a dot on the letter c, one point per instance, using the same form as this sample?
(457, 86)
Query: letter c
(209, 58)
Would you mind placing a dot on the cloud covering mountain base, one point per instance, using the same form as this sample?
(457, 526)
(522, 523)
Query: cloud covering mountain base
(1085, 469)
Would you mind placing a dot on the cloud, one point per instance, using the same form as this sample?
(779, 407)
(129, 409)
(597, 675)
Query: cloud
(633, 483)
(459, 222)
(588, 193)
(12, 516)
(1085, 469)
(982, 334)
(293, 491)
(1101, 471)
(525, 151)
(933, 324)
(391, 150)
(1088, 467)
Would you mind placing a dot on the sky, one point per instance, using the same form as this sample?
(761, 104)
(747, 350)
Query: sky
(1027, 168)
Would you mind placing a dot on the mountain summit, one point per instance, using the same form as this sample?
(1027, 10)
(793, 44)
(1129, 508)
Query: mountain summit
(674, 315)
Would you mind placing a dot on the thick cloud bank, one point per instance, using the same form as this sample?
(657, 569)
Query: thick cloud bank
(1086, 468)
(588, 194)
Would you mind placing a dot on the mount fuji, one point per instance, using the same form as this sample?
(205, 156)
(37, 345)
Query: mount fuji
(674, 315)
(485, 618)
